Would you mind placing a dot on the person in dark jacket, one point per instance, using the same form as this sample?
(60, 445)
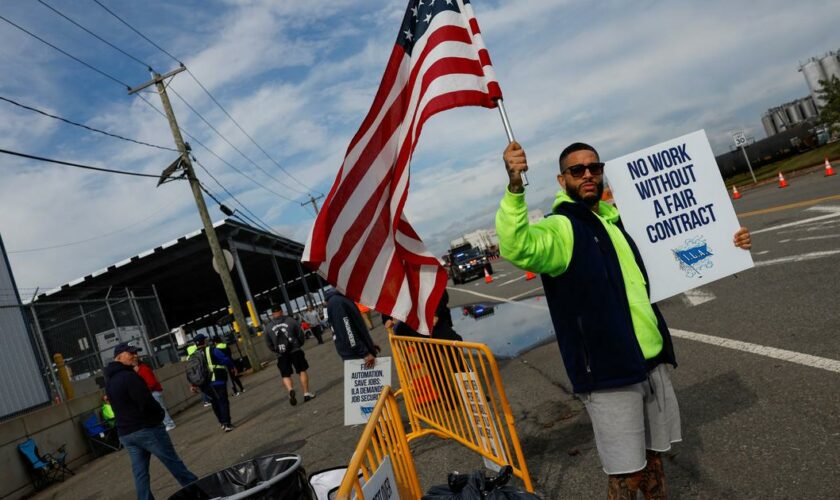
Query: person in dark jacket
(285, 338)
(216, 388)
(614, 342)
(352, 338)
(139, 421)
(235, 382)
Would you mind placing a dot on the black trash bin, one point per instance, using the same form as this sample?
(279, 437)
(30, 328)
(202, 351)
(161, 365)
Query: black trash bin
(280, 476)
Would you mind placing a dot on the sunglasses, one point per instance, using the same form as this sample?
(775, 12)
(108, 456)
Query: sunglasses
(577, 171)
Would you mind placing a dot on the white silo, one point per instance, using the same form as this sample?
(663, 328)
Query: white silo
(813, 72)
(793, 113)
(830, 65)
(769, 127)
(808, 107)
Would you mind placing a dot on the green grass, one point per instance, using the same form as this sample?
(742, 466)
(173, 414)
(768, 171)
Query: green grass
(804, 160)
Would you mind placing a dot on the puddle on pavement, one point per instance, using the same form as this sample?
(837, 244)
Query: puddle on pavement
(509, 329)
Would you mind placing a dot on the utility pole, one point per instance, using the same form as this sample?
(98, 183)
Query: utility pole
(209, 230)
(314, 202)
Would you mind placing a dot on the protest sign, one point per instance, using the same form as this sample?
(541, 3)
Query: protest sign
(479, 416)
(674, 205)
(382, 484)
(362, 387)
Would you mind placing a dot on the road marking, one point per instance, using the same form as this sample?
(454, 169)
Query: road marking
(834, 212)
(827, 236)
(502, 299)
(785, 241)
(789, 206)
(526, 293)
(508, 282)
(697, 296)
(797, 258)
(763, 252)
(828, 364)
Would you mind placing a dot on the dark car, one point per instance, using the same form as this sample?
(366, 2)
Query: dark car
(466, 263)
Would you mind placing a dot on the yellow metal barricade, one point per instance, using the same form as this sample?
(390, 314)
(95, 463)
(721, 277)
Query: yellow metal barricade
(470, 405)
(384, 435)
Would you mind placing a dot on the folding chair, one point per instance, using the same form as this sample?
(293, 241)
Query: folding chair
(102, 438)
(47, 468)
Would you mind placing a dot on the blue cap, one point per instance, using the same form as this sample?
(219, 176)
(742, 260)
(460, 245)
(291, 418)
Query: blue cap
(200, 338)
(125, 347)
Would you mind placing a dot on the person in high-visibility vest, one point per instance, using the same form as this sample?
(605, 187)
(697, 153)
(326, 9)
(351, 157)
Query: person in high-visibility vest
(204, 399)
(235, 383)
(107, 412)
(216, 388)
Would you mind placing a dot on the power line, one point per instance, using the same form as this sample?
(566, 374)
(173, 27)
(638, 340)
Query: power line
(309, 189)
(232, 196)
(216, 101)
(71, 56)
(45, 4)
(109, 11)
(236, 213)
(197, 141)
(214, 129)
(76, 165)
(92, 129)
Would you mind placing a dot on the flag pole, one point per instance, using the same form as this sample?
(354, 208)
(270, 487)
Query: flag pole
(509, 131)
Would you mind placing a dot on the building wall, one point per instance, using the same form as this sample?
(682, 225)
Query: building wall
(23, 386)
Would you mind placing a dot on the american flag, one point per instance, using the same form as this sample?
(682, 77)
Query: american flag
(361, 241)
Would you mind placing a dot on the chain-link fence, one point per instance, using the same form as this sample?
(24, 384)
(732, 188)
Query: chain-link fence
(84, 332)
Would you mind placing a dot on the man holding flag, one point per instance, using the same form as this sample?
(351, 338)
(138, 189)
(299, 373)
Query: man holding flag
(361, 241)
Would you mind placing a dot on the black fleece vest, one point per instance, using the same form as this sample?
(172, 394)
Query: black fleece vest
(591, 315)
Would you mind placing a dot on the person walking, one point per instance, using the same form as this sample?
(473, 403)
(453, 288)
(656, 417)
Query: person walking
(139, 422)
(613, 341)
(148, 375)
(311, 316)
(235, 382)
(352, 338)
(207, 370)
(285, 338)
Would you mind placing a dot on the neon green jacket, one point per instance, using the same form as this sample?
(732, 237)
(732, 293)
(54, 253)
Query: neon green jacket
(545, 247)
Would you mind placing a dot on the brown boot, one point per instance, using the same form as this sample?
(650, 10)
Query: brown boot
(624, 486)
(653, 480)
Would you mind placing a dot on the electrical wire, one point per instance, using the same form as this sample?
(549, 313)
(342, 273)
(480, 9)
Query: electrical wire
(232, 196)
(242, 217)
(91, 33)
(109, 11)
(214, 129)
(77, 165)
(241, 129)
(92, 129)
(216, 101)
(197, 141)
(71, 56)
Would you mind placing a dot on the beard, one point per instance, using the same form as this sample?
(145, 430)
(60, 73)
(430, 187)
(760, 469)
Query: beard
(589, 200)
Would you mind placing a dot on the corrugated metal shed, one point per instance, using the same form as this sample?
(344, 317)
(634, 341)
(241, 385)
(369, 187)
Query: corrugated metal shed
(21, 384)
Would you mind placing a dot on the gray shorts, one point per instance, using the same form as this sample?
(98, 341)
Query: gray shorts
(629, 420)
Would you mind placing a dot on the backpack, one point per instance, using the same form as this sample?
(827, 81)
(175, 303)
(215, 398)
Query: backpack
(282, 342)
(198, 373)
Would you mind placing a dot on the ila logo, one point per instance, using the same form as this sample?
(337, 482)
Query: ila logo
(694, 256)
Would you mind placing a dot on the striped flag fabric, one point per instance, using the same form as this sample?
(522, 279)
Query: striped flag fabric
(361, 241)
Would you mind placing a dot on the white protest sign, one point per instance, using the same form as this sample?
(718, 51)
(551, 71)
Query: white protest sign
(382, 484)
(674, 205)
(362, 387)
(480, 418)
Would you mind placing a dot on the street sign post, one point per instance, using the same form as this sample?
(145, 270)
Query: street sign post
(741, 142)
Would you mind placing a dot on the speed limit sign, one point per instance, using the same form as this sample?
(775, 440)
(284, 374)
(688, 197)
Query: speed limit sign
(739, 138)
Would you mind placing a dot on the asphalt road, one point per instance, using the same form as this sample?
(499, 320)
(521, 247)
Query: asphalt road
(761, 417)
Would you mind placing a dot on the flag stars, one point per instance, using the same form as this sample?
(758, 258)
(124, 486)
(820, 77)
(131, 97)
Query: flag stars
(414, 11)
(427, 19)
(408, 35)
(448, 2)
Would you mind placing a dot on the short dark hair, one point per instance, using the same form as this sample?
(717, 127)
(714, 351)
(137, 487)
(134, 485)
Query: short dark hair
(577, 146)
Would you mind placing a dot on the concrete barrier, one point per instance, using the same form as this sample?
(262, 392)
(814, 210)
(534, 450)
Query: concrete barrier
(60, 424)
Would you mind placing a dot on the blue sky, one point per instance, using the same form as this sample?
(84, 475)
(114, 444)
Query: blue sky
(300, 75)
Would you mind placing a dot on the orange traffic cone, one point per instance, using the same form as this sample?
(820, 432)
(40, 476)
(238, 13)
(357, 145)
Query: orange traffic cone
(828, 170)
(487, 277)
(782, 182)
(735, 194)
(529, 275)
